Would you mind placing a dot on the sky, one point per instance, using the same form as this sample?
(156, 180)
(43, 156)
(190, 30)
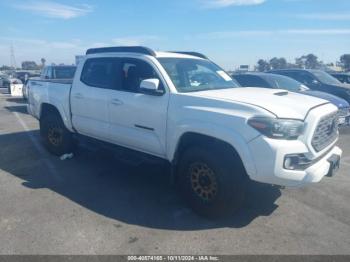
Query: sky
(230, 32)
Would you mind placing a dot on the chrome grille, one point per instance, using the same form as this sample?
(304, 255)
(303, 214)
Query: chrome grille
(326, 132)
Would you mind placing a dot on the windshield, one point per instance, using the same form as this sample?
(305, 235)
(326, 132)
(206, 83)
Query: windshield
(325, 78)
(65, 72)
(284, 82)
(191, 75)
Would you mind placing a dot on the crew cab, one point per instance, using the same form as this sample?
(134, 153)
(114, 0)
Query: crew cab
(181, 108)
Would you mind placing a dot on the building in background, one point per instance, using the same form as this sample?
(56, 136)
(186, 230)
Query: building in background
(243, 68)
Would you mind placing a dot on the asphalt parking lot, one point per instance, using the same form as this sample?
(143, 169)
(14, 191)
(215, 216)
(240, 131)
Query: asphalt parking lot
(97, 204)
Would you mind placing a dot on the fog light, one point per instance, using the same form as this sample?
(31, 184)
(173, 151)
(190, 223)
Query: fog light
(296, 162)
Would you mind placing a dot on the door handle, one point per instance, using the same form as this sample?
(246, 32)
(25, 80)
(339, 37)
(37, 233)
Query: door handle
(116, 102)
(78, 96)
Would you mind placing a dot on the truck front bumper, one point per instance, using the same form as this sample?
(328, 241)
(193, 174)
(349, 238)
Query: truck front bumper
(271, 168)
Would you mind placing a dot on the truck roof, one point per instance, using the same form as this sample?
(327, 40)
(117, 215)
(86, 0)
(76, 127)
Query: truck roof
(145, 51)
(177, 55)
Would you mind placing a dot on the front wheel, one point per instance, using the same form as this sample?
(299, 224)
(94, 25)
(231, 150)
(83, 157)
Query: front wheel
(56, 137)
(212, 182)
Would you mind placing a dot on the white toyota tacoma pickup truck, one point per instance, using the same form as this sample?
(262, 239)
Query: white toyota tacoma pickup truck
(183, 108)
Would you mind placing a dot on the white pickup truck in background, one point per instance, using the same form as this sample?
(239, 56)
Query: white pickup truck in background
(53, 73)
(182, 108)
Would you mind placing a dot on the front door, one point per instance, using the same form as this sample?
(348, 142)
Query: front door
(137, 120)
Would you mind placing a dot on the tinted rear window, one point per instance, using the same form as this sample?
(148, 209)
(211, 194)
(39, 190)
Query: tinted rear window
(64, 72)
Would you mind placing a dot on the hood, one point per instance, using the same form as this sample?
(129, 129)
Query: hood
(340, 85)
(335, 100)
(280, 102)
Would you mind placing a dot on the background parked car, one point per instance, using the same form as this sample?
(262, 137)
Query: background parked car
(342, 77)
(58, 72)
(283, 82)
(61, 74)
(6, 82)
(24, 75)
(318, 80)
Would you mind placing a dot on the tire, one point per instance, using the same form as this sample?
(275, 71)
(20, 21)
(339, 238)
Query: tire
(226, 176)
(56, 137)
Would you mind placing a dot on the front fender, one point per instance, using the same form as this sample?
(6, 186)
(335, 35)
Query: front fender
(218, 132)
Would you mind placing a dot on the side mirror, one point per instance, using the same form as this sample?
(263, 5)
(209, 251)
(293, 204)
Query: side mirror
(150, 87)
(303, 88)
(315, 82)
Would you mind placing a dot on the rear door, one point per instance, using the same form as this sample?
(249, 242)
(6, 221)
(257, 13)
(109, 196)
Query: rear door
(90, 97)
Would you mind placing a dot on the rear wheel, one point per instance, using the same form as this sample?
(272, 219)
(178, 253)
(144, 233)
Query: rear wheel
(212, 182)
(56, 137)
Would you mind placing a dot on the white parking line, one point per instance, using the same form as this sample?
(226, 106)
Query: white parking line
(50, 166)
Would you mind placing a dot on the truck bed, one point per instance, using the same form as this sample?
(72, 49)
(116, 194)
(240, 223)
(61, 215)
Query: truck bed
(53, 92)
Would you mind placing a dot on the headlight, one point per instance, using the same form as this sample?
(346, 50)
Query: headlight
(288, 129)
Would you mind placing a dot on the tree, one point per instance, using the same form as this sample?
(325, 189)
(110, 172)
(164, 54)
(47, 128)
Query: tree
(43, 62)
(278, 63)
(291, 65)
(300, 62)
(345, 60)
(5, 67)
(309, 61)
(263, 65)
(29, 65)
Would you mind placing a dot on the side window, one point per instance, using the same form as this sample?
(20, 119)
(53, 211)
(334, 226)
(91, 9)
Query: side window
(343, 79)
(101, 72)
(302, 77)
(133, 72)
(252, 81)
